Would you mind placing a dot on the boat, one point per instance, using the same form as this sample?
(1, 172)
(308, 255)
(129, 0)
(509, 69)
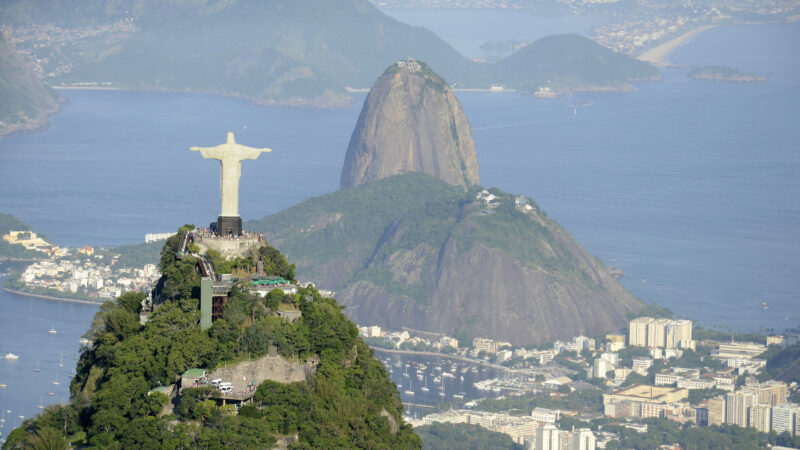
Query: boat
(60, 359)
(51, 394)
(36, 369)
(458, 396)
(448, 375)
(53, 330)
(407, 392)
(41, 403)
(55, 382)
(3, 386)
(441, 394)
(11, 356)
(424, 389)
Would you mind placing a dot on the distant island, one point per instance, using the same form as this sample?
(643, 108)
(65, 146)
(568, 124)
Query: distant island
(724, 73)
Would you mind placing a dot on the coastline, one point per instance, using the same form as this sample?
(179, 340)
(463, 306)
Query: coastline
(445, 355)
(658, 54)
(50, 297)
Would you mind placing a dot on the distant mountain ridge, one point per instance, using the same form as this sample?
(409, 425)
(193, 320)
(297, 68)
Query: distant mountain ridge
(25, 103)
(299, 52)
(429, 132)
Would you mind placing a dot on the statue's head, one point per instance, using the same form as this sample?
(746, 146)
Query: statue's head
(230, 138)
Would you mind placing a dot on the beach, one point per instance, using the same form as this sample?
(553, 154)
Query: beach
(658, 54)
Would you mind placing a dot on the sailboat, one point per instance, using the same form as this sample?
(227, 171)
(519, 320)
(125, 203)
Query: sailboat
(425, 388)
(60, 359)
(36, 369)
(41, 403)
(55, 382)
(53, 330)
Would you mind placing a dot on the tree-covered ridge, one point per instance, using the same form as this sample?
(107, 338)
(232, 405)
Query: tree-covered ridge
(411, 250)
(348, 402)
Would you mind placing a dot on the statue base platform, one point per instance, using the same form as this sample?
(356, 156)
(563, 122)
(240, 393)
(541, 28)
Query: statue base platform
(229, 226)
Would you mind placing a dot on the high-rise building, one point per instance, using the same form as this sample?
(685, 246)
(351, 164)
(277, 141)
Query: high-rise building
(601, 367)
(785, 418)
(678, 333)
(657, 332)
(660, 333)
(770, 393)
(583, 439)
(637, 332)
(547, 438)
(737, 407)
(716, 411)
(760, 417)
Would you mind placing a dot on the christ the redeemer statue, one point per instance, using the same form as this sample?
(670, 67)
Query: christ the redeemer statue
(230, 156)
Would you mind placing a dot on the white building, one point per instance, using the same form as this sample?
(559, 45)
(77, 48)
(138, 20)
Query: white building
(640, 365)
(583, 439)
(547, 438)
(785, 418)
(544, 416)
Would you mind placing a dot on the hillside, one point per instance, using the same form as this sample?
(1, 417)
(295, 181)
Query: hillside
(24, 102)
(9, 223)
(301, 52)
(343, 399)
(413, 251)
(569, 62)
(429, 132)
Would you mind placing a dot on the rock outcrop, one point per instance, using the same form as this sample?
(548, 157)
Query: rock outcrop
(411, 122)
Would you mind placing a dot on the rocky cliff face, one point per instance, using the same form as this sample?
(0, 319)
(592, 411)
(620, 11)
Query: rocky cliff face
(411, 251)
(411, 122)
(24, 102)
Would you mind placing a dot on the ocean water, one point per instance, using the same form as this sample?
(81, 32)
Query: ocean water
(690, 187)
(25, 323)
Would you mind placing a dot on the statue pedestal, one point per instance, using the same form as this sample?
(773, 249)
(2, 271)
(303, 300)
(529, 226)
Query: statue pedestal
(229, 226)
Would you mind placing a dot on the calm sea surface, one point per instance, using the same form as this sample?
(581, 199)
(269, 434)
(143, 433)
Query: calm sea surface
(692, 188)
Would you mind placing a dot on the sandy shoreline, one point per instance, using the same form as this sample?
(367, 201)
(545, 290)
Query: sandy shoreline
(50, 297)
(658, 54)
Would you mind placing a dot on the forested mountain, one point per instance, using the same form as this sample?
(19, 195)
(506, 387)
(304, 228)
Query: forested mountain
(24, 102)
(346, 401)
(411, 250)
